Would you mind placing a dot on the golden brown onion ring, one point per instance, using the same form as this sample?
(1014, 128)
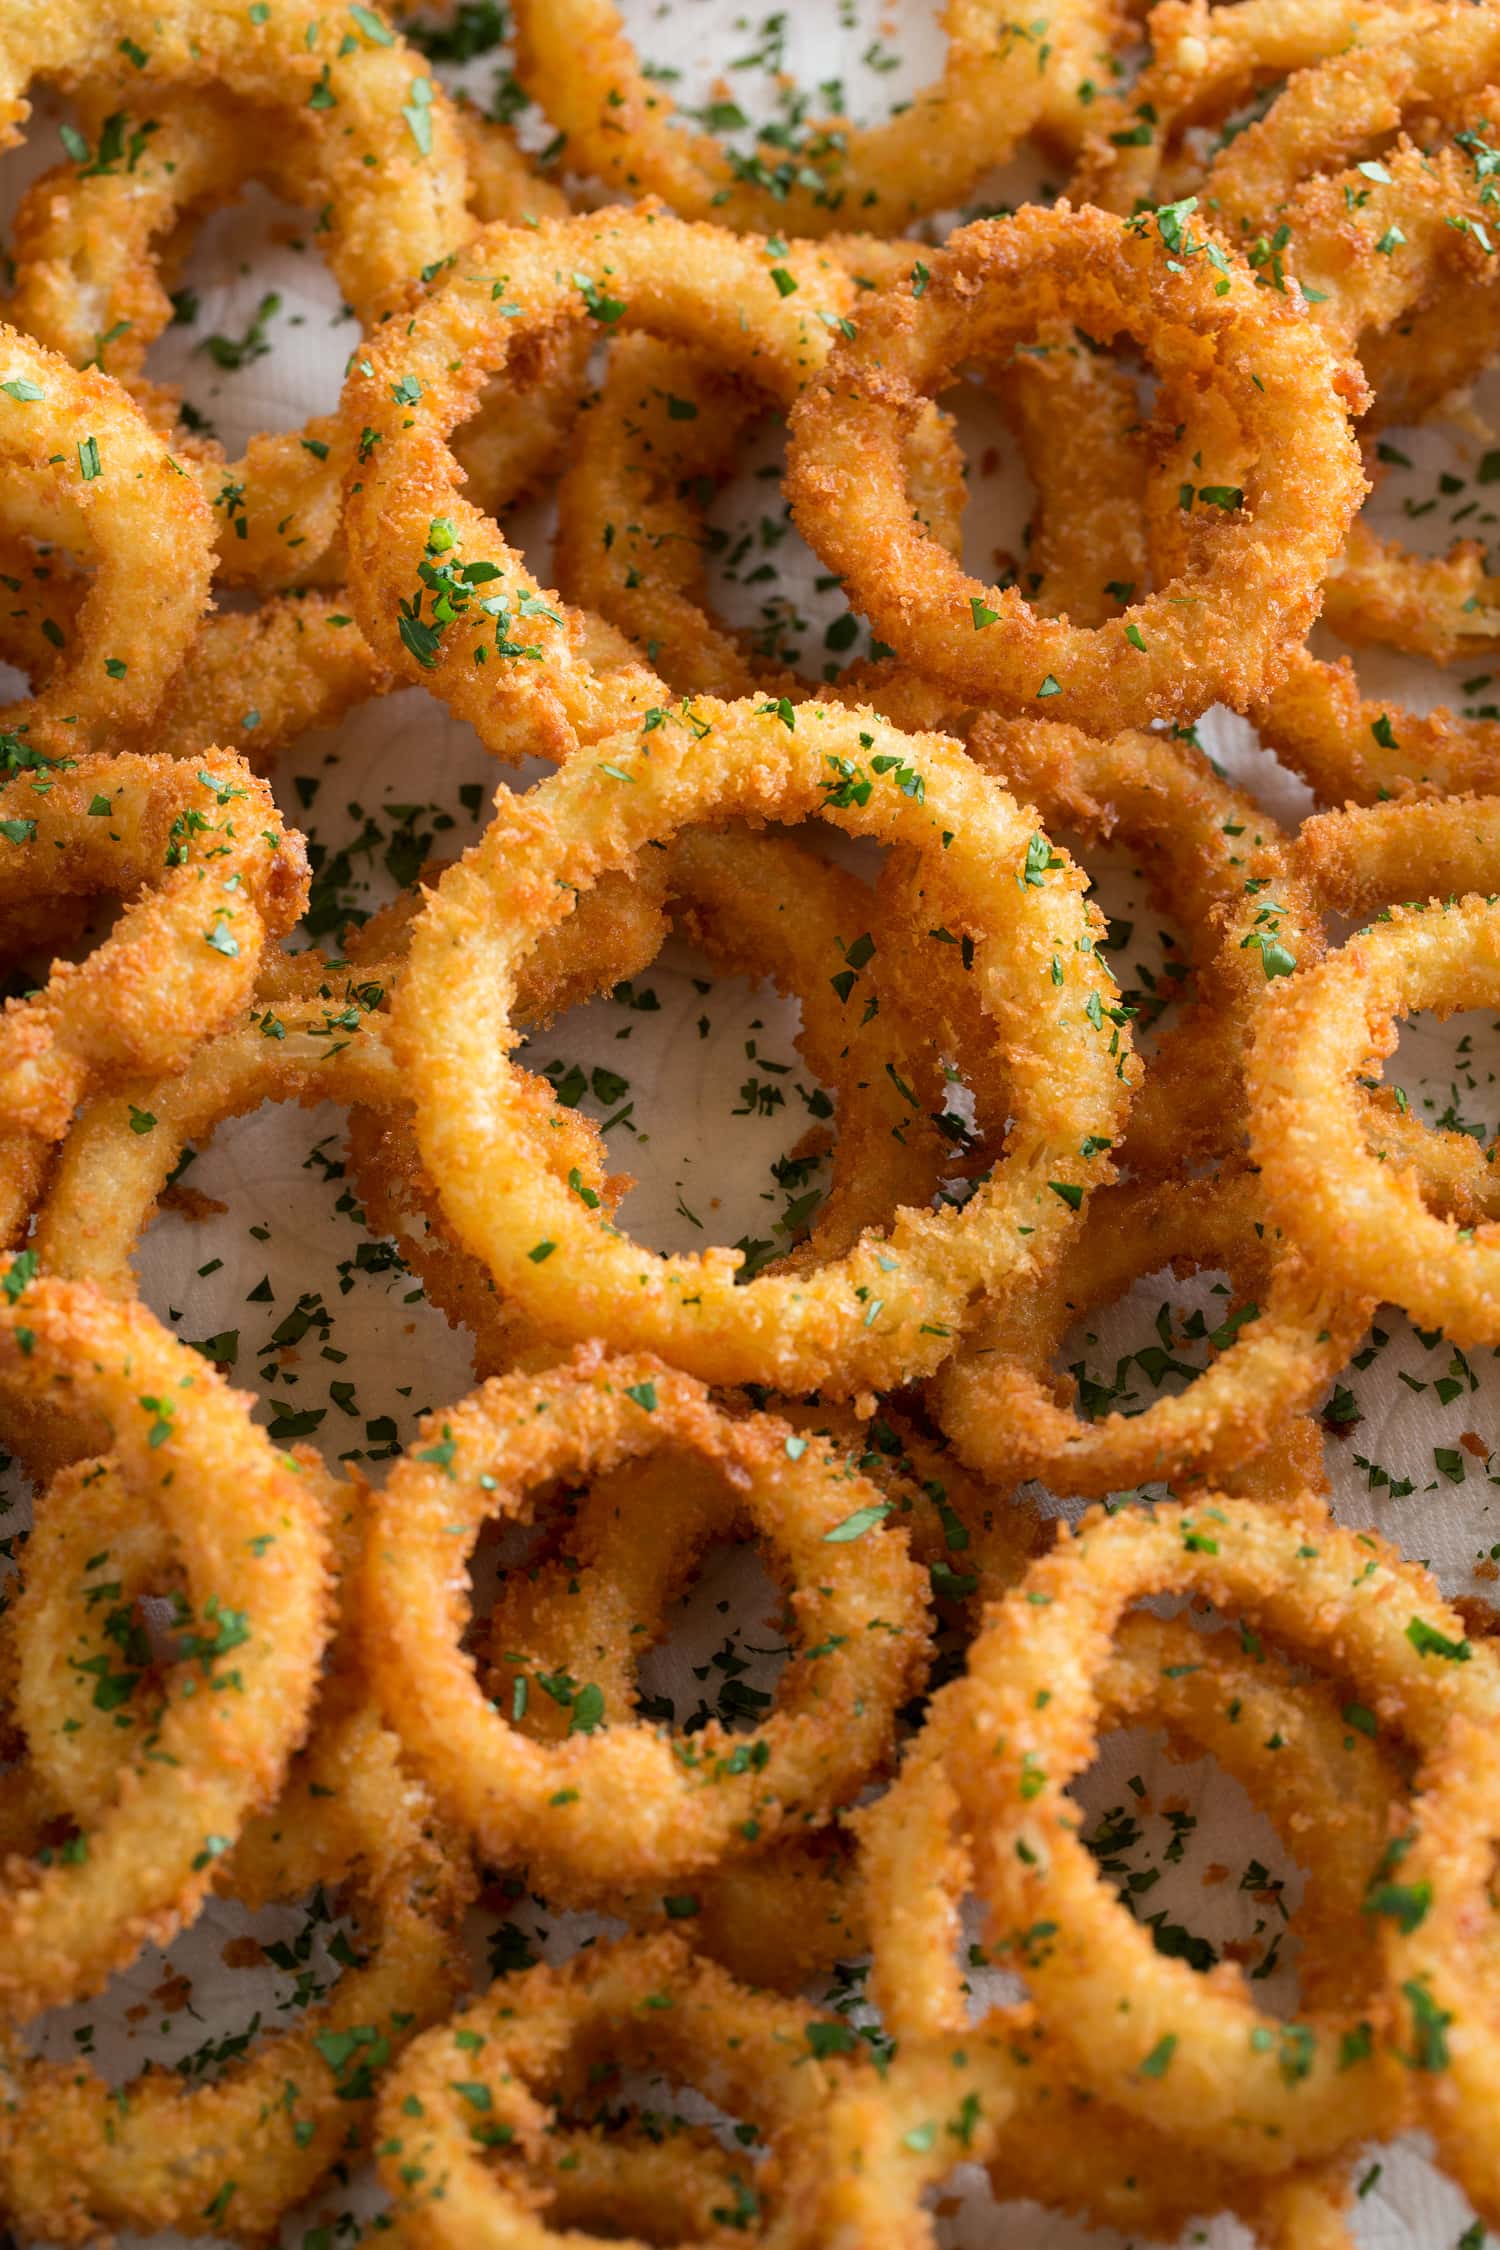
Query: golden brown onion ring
(78, 2154)
(890, 1308)
(78, 456)
(464, 603)
(247, 1529)
(1237, 370)
(210, 875)
(1001, 78)
(666, 1808)
(1362, 1224)
(1286, 1334)
(490, 2080)
(96, 244)
(1023, 1722)
(394, 191)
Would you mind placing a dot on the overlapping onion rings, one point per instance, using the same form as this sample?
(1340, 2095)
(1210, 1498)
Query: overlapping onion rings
(216, 877)
(667, 1808)
(1024, 1719)
(468, 619)
(1229, 359)
(1361, 1223)
(489, 2081)
(1211, 1695)
(246, 1526)
(77, 2154)
(1286, 1333)
(890, 1308)
(91, 237)
(395, 194)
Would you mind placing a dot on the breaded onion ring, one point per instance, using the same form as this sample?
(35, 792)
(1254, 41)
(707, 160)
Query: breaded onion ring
(1362, 1224)
(217, 876)
(77, 456)
(1001, 78)
(90, 239)
(487, 2083)
(254, 681)
(1211, 1695)
(1206, 62)
(889, 1309)
(780, 1917)
(665, 1807)
(247, 1530)
(78, 2154)
(394, 193)
(1183, 2046)
(325, 1041)
(762, 907)
(438, 591)
(1239, 372)
(1286, 1334)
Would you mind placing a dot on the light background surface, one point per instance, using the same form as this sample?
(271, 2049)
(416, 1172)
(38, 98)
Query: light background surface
(400, 779)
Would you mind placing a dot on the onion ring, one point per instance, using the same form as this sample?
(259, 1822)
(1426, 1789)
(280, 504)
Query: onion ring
(775, 1919)
(158, 2153)
(1206, 62)
(1360, 1224)
(1320, 1589)
(1223, 350)
(1211, 1695)
(764, 907)
(779, 1917)
(1286, 1335)
(348, 91)
(113, 489)
(181, 1436)
(631, 542)
(550, 1804)
(182, 958)
(531, 2038)
(889, 1309)
(87, 286)
(326, 1041)
(1000, 79)
(417, 379)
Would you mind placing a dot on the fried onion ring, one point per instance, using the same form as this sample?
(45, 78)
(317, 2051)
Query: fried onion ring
(667, 1807)
(469, 619)
(1231, 360)
(157, 2153)
(247, 1529)
(81, 459)
(530, 2041)
(1286, 1335)
(1362, 1224)
(1211, 1695)
(183, 957)
(888, 1310)
(87, 285)
(394, 197)
(1326, 1593)
(1000, 79)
